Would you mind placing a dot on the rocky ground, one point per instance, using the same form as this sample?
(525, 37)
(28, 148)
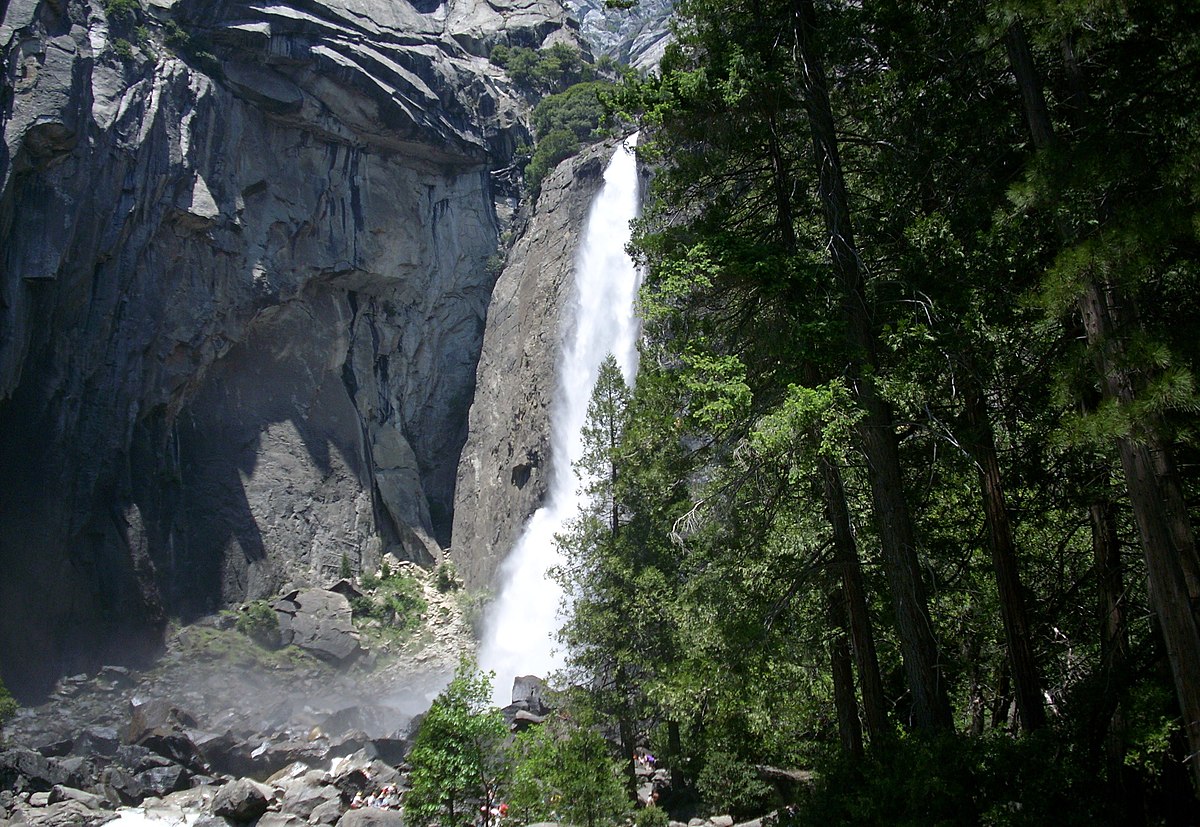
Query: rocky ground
(318, 720)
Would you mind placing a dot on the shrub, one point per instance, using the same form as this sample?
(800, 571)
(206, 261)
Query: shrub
(730, 785)
(8, 704)
(556, 146)
(259, 622)
(579, 109)
(651, 817)
(120, 9)
(446, 577)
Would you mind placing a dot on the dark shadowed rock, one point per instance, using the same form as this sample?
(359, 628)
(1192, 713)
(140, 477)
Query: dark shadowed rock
(530, 690)
(97, 741)
(26, 770)
(242, 800)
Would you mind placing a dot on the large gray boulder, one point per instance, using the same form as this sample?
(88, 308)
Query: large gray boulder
(318, 621)
(370, 817)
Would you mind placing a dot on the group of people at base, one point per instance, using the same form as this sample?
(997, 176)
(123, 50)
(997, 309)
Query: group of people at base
(386, 798)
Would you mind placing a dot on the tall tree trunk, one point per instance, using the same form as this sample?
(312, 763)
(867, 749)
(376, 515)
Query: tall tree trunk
(1165, 532)
(844, 700)
(1017, 638)
(862, 636)
(1114, 637)
(931, 709)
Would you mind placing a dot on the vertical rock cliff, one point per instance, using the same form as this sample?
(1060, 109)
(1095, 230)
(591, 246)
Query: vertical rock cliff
(244, 270)
(502, 478)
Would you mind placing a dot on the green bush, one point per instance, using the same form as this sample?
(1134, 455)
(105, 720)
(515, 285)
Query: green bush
(120, 9)
(542, 70)
(1034, 780)
(556, 146)
(259, 622)
(446, 577)
(397, 603)
(730, 785)
(579, 109)
(8, 704)
(651, 817)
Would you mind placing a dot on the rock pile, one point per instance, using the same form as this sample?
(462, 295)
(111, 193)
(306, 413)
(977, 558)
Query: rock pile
(233, 731)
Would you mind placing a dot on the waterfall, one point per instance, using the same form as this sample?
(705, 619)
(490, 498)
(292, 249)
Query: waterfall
(519, 632)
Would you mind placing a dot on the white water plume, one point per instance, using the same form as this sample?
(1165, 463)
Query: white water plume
(521, 625)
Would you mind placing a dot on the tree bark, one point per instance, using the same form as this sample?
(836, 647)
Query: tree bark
(1017, 638)
(931, 709)
(1164, 529)
(862, 636)
(844, 699)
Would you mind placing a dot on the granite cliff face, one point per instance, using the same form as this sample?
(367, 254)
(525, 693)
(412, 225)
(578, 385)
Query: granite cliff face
(503, 476)
(244, 270)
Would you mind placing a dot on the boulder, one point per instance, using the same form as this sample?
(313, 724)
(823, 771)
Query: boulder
(327, 813)
(97, 741)
(242, 800)
(24, 769)
(61, 793)
(318, 621)
(371, 817)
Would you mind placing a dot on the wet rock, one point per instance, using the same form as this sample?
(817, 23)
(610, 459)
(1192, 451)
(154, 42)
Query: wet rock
(242, 800)
(161, 781)
(503, 471)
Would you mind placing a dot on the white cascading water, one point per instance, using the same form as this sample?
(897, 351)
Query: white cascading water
(521, 625)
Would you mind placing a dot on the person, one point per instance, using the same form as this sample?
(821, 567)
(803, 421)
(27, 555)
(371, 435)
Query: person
(357, 802)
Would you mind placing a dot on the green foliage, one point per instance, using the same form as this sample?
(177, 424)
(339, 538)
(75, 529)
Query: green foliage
(545, 71)
(8, 704)
(554, 147)
(344, 570)
(259, 622)
(457, 756)
(731, 785)
(955, 780)
(123, 48)
(122, 9)
(397, 602)
(446, 577)
(564, 771)
(651, 817)
(580, 110)
(385, 570)
(370, 581)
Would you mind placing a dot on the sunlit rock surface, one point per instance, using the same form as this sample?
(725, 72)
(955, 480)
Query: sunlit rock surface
(243, 285)
(502, 477)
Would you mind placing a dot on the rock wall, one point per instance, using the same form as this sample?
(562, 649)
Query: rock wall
(503, 474)
(243, 278)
